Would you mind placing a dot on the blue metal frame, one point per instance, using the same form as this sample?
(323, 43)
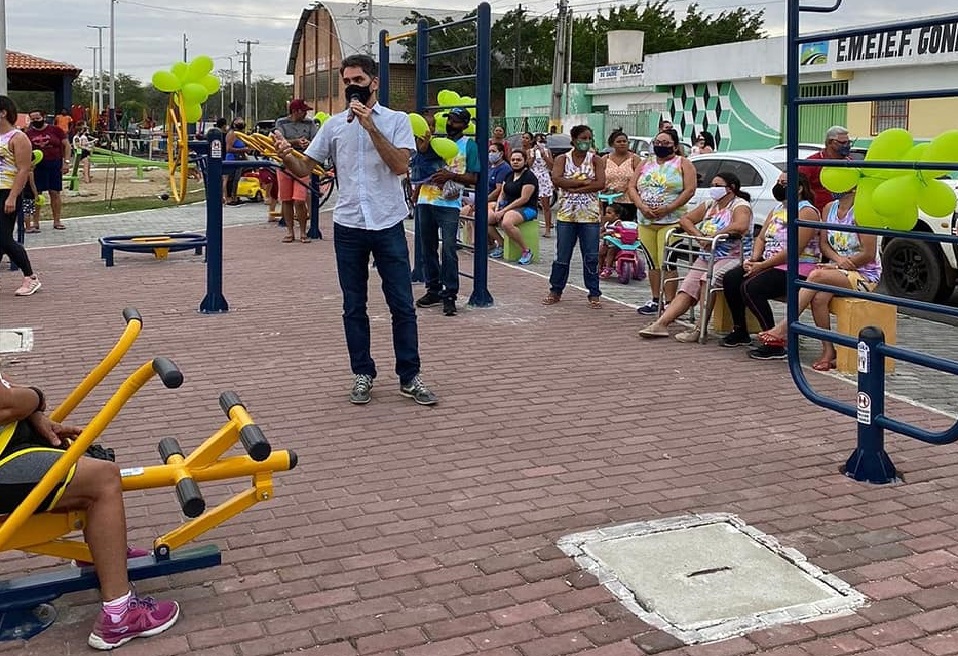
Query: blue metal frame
(480, 296)
(869, 462)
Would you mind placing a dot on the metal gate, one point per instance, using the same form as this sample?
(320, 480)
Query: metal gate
(814, 120)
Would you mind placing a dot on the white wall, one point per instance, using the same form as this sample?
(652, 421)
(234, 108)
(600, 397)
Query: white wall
(733, 61)
(764, 101)
(619, 102)
(904, 78)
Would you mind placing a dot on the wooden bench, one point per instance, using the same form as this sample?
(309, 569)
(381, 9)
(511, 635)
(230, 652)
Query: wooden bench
(851, 315)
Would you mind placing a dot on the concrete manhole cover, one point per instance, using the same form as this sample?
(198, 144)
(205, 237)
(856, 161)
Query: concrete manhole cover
(16, 340)
(708, 577)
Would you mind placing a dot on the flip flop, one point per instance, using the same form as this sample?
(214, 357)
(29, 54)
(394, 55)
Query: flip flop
(59, 226)
(823, 365)
(551, 299)
(768, 339)
(595, 303)
(305, 240)
(288, 239)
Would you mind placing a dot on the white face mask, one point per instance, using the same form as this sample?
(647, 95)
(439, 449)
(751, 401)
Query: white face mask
(718, 193)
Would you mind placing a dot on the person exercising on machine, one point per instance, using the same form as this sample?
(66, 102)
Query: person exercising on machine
(30, 444)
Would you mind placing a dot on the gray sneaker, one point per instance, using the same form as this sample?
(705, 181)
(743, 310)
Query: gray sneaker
(362, 385)
(418, 392)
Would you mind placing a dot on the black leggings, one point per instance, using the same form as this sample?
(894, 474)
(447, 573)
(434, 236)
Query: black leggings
(9, 245)
(753, 292)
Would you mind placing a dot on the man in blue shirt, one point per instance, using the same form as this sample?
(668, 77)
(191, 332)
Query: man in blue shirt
(370, 147)
(439, 205)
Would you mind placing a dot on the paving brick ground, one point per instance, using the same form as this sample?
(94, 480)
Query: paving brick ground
(418, 531)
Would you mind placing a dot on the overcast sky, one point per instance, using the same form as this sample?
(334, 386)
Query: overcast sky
(149, 33)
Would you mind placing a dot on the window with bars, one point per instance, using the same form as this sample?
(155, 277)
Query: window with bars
(889, 114)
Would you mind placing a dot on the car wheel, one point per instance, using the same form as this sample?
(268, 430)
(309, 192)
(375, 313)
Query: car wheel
(914, 269)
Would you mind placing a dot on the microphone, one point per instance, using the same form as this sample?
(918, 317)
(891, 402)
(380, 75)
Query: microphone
(350, 115)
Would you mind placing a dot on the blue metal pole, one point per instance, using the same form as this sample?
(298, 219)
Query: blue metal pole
(214, 301)
(314, 232)
(869, 462)
(791, 142)
(383, 68)
(422, 93)
(480, 288)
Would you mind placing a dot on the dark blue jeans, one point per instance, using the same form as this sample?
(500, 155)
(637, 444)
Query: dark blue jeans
(434, 221)
(388, 248)
(587, 235)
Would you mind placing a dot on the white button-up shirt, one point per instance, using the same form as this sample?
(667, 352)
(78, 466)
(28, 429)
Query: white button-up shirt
(370, 194)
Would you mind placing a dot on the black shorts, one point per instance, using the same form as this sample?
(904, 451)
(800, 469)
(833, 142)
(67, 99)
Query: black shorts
(23, 462)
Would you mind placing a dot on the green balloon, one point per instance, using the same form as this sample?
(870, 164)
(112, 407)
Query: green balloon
(839, 179)
(37, 157)
(897, 197)
(865, 214)
(440, 121)
(211, 83)
(180, 70)
(447, 98)
(199, 68)
(944, 147)
(194, 94)
(166, 82)
(193, 113)
(890, 146)
(937, 199)
(445, 148)
(419, 125)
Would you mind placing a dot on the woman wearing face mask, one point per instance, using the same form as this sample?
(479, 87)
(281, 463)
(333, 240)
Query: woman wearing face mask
(660, 188)
(580, 174)
(728, 213)
(517, 204)
(853, 263)
(620, 165)
(763, 276)
(235, 150)
(540, 163)
(498, 170)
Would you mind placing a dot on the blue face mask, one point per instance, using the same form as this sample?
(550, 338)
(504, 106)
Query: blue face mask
(495, 158)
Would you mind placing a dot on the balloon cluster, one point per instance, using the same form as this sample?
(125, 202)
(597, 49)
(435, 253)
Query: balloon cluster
(446, 99)
(193, 80)
(320, 117)
(891, 198)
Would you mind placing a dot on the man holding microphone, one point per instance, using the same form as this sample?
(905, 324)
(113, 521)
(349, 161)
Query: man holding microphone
(370, 146)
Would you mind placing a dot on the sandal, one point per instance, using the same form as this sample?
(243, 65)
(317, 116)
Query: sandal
(551, 299)
(595, 303)
(823, 365)
(768, 339)
(288, 239)
(59, 226)
(304, 240)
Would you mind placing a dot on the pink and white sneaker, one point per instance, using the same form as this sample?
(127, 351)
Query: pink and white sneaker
(144, 617)
(31, 285)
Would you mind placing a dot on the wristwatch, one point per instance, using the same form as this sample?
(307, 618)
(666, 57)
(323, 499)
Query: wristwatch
(42, 400)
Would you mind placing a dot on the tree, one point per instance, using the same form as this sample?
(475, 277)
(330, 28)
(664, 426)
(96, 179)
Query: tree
(453, 65)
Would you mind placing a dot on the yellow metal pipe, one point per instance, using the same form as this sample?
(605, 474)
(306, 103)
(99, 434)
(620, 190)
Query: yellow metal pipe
(95, 377)
(213, 447)
(207, 521)
(144, 478)
(405, 35)
(43, 527)
(61, 467)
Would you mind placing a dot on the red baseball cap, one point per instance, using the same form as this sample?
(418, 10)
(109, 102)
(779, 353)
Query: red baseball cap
(299, 105)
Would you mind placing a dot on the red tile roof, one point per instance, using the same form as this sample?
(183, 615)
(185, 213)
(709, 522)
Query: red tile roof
(21, 61)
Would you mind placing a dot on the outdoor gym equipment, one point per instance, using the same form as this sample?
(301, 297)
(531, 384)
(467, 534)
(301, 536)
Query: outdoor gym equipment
(24, 601)
(478, 52)
(869, 462)
(160, 245)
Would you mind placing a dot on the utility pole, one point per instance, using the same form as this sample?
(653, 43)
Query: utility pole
(515, 59)
(558, 67)
(366, 6)
(247, 74)
(568, 59)
(93, 105)
(185, 58)
(111, 115)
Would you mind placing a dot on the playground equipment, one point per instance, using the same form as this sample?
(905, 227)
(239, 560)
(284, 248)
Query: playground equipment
(160, 245)
(869, 462)
(479, 52)
(24, 601)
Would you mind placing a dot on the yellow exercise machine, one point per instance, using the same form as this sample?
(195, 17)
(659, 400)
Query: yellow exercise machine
(264, 145)
(24, 607)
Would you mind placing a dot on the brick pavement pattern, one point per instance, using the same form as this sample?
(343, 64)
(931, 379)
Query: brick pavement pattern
(413, 531)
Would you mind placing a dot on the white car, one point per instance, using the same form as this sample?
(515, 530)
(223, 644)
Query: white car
(914, 269)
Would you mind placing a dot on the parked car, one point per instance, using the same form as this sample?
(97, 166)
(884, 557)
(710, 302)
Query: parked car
(556, 143)
(642, 146)
(858, 152)
(913, 269)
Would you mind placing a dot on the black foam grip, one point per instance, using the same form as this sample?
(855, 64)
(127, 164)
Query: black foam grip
(293, 459)
(255, 442)
(168, 372)
(191, 501)
(228, 400)
(129, 314)
(169, 447)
